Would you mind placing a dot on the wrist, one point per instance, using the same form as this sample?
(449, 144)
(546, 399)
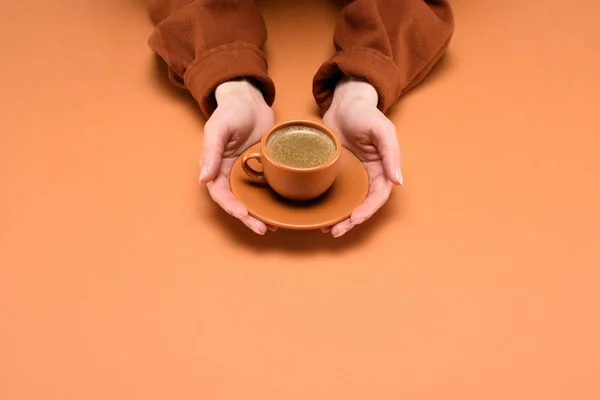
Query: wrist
(353, 88)
(237, 89)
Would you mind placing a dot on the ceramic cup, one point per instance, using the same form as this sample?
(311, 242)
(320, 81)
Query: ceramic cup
(294, 183)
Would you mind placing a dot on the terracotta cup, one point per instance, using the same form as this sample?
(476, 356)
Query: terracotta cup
(294, 183)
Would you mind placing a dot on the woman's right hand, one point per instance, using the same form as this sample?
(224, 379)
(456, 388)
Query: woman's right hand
(241, 119)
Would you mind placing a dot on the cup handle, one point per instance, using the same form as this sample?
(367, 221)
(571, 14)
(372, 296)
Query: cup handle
(251, 172)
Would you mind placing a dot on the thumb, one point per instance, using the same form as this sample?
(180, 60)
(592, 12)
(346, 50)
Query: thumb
(215, 132)
(386, 141)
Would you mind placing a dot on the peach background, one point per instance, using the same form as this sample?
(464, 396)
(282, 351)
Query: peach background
(119, 279)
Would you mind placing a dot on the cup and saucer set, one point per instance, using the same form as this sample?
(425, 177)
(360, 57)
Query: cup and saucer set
(299, 177)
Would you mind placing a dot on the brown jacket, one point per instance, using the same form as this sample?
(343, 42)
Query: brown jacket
(391, 43)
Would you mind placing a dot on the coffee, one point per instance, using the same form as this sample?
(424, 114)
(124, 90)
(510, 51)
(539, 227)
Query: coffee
(300, 146)
(299, 159)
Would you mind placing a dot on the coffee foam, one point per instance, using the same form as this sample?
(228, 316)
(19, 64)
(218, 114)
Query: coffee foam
(288, 153)
(295, 128)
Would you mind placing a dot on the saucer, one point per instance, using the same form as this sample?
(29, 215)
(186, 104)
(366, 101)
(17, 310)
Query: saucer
(347, 192)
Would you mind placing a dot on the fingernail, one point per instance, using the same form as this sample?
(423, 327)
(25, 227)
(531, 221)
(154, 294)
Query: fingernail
(399, 178)
(203, 173)
(325, 230)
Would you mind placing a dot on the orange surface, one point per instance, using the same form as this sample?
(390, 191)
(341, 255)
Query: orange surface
(119, 279)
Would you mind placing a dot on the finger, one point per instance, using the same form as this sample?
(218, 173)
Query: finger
(272, 228)
(255, 225)
(379, 193)
(341, 228)
(326, 230)
(386, 141)
(213, 147)
(222, 195)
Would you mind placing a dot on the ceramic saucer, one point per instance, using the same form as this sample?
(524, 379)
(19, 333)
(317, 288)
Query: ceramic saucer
(347, 192)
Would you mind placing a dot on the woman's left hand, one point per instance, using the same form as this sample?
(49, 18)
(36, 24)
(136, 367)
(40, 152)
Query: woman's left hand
(371, 136)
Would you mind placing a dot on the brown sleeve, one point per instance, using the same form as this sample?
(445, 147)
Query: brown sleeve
(392, 44)
(208, 42)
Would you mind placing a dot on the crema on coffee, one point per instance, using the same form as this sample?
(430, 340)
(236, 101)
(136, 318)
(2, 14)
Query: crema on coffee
(300, 146)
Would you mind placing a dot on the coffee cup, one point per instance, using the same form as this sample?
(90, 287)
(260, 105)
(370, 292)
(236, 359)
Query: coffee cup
(299, 159)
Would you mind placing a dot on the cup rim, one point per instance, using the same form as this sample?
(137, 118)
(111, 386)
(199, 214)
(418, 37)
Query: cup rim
(311, 124)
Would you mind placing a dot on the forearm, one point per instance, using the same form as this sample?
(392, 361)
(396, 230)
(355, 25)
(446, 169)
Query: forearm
(392, 44)
(208, 42)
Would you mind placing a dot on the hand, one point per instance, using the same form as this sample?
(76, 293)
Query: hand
(241, 119)
(371, 136)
